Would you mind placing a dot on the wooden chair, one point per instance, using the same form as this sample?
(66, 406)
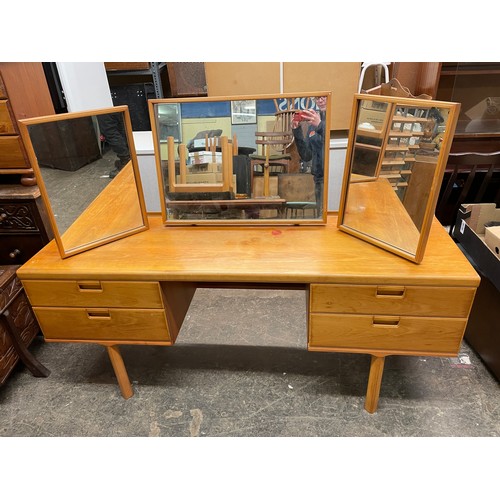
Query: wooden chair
(271, 155)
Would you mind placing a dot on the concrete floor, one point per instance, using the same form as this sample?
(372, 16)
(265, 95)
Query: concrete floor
(240, 368)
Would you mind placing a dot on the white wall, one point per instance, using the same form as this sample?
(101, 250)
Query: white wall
(85, 85)
(338, 151)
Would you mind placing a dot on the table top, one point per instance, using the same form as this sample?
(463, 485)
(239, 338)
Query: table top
(263, 254)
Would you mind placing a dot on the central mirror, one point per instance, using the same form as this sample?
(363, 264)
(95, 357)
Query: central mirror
(242, 160)
(86, 169)
(398, 149)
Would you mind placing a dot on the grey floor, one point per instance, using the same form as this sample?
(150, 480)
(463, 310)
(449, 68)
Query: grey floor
(240, 368)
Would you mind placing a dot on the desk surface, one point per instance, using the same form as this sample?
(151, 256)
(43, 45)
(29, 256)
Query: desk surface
(268, 254)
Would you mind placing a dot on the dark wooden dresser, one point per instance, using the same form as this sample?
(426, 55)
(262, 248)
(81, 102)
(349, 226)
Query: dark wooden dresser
(24, 223)
(24, 230)
(18, 326)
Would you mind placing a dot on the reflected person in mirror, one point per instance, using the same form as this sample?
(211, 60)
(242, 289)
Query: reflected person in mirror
(113, 130)
(311, 144)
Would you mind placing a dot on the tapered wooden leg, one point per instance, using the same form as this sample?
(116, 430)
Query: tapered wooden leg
(374, 383)
(120, 371)
(33, 365)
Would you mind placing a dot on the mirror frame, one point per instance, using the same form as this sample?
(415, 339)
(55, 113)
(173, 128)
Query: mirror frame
(430, 203)
(24, 129)
(217, 187)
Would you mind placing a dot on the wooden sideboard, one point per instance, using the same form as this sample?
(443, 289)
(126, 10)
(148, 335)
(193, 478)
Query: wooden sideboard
(361, 299)
(23, 94)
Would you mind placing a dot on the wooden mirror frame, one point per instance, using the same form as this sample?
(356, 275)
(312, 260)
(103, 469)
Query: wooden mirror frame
(117, 189)
(431, 200)
(228, 143)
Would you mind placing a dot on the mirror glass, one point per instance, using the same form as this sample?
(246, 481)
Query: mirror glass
(246, 159)
(397, 153)
(86, 168)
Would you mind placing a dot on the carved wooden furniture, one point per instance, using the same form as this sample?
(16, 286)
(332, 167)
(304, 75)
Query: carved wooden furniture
(18, 326)
(362, 299)
(23, 94)
(24, 223)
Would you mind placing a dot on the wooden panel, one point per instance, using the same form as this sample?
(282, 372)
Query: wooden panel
(405, 333)
(12, 155)
(187, 79)
(89, 293)
(103, 324)
(6, 125)
(126, 66)
(27, 89)
(242, 78)
(3, 92)
(341, 78)
(370, 299)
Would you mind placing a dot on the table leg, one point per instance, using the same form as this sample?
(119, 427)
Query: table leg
(374, 383)
(120, 371)
(33, 365)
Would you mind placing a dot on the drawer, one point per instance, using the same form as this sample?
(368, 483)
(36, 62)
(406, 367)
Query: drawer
(136, 294)
(6, 124)
(392, 300)
(17, 249)
(11, 152)
(100, 324)
(17, 216)
(394, 333)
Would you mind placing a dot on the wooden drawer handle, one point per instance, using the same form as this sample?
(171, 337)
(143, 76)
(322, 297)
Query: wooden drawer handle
(98, 314)
(386, 321)
(15, 253)
(391, 292)
(89, 286)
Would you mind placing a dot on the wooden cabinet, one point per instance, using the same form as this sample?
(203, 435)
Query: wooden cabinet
(472, 173)
(14, 301)
(247, 78)
(117, 311)
(397, 318)
(24, 223)
(23, 94)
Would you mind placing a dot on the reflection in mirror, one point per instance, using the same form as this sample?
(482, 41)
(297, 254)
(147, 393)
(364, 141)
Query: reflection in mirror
(396, 159)
(85, 167)
(247, 159)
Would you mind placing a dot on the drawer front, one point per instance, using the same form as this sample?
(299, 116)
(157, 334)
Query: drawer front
(18, 216)
(100, 324)
(136, 294)
(6, 124)
(392, 300)
(405, 333)
(11, 152)
(17, 249)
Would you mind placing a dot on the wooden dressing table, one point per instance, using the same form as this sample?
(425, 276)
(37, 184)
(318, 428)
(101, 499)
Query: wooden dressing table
(361, 299)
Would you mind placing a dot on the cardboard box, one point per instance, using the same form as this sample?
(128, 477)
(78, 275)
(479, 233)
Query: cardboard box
(205, 157)
(492, 239)
(470, 231)
(482, 332)
(204, 178)
(204, 167)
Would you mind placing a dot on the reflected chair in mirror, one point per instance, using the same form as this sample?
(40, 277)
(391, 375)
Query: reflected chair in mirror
(271, 157)
(184, 179)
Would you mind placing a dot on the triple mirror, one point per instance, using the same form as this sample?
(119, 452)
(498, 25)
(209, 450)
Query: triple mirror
(397, 153)
(86, 168)
(243, 159)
